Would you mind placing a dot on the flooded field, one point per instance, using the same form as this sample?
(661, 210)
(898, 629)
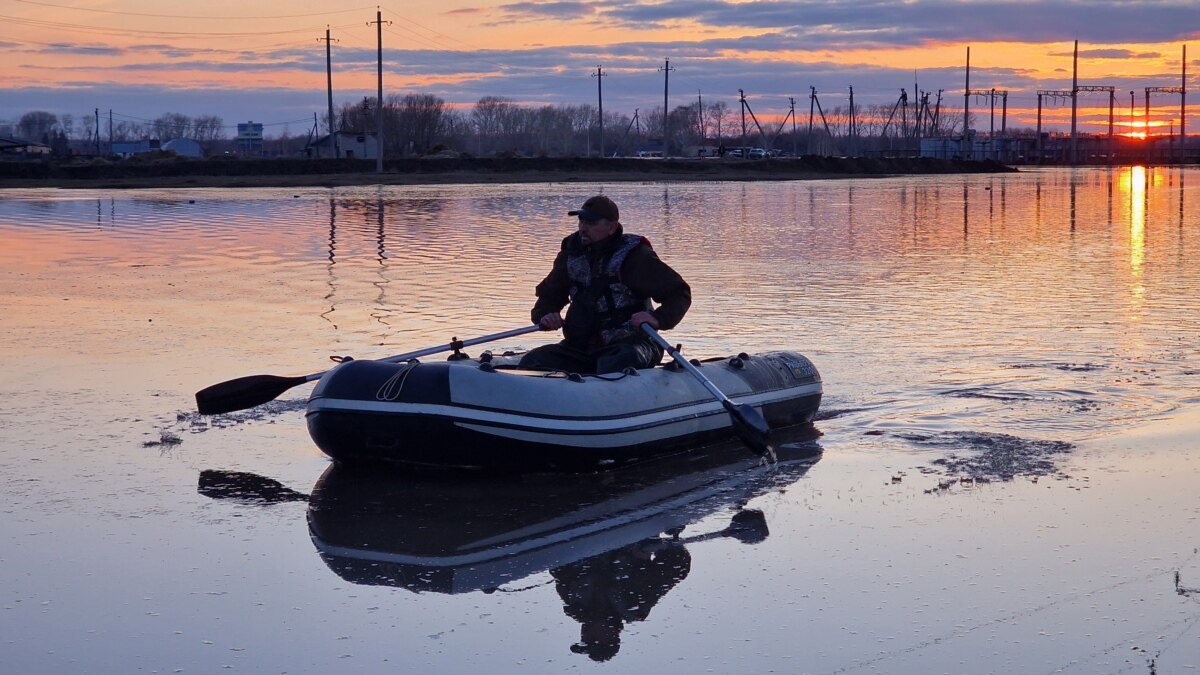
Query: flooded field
(1002, 479)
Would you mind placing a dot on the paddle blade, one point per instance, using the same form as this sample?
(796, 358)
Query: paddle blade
(750, 427)
(244, 392)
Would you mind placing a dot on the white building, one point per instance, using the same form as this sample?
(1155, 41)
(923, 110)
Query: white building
(350, 145)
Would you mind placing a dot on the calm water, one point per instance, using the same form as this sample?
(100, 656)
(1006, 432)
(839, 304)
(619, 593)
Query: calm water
(1005, 480)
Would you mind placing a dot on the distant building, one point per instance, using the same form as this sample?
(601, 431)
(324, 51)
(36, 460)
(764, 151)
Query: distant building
(350, 145)
(250, 138)
(130, 148)
(978, 149)
(653, 147)
(16, 146)
(184, 147)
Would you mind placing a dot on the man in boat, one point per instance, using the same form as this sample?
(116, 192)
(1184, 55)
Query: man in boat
(609, 278)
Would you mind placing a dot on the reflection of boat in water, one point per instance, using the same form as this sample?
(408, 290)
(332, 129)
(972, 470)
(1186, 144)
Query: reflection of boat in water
(612, 542)
(459, 533)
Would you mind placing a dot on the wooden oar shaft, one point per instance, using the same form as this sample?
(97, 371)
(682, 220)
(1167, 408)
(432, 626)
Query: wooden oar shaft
(748, 423)
(247, 392)
(456, 344)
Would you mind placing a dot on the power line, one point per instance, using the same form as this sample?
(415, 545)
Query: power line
(144, 120)
(442, 49)
(431, 30)
(240, 17)
(79, 28)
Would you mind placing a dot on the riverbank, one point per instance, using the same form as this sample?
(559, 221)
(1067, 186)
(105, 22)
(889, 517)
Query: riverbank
(221, 172)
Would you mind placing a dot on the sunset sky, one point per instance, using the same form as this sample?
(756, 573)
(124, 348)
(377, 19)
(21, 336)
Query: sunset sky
(265, 61)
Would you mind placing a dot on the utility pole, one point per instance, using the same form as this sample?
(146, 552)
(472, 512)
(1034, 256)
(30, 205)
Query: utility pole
(110, 131)
(1183, 107)
(853, 127)
(98, 125)
(937, 112)
(1131, 112)
(742, 100)
(700, 117)
(792, 100)
(379, 96)
(600, 75)
(666, 71)
(812, 100)
(1075, 105)
(966, 153)
(333, 141)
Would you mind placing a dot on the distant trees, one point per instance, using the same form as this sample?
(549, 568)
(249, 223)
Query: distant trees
(417, 124)
(36, 126)
(208, 130)
(171, 125)
(716, 120)
(421, 124)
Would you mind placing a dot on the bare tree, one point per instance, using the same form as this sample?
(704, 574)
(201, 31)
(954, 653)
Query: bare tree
(356, 117)
(88, 122)
(36, 126)
(719, 118)
(456, 129)
(554, 134)
(685, 126)
(582, 118)
(171, 125)
(488, 117)
(652, 123)
(418, 120)
(127, 131)
(67, 124)
(207, 130)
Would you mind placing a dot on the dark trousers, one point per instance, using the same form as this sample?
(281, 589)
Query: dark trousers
(611, 358)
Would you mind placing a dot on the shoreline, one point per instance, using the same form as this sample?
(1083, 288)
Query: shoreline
(363, 180)
(226, 173)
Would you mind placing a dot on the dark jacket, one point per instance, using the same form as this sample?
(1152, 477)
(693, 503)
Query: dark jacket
(642, 271)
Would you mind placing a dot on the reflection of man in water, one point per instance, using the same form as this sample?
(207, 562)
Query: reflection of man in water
(606, 591)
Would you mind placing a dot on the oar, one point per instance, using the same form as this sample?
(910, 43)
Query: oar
(747, 422)
(247, 392)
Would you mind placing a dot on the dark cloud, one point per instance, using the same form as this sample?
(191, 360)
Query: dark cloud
(1110, 54)
(81, 49)
(549, 10)
(819, 23)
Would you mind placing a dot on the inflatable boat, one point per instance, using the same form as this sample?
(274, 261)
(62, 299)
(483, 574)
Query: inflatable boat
(488, 413)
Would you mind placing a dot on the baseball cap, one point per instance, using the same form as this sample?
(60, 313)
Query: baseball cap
(596, 208)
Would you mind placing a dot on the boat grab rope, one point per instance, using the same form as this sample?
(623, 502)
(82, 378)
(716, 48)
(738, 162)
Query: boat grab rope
(579, 377)
(390, 390)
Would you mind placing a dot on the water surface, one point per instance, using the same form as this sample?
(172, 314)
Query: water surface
(1004, 482)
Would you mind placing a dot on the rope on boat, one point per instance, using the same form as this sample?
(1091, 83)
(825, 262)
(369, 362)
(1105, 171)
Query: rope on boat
(390, 390)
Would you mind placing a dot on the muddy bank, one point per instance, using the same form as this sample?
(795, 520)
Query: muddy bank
(462, 170)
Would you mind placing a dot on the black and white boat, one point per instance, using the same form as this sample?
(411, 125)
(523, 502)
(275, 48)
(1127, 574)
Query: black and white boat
(485, 413)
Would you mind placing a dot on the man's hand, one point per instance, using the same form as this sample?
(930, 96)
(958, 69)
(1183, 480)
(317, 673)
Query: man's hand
(640, 318)
(551, 321)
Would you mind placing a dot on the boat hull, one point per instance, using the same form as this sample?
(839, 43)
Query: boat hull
(467, 413)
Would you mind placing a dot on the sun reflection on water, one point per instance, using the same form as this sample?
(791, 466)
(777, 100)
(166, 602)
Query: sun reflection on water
(1137, 231)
